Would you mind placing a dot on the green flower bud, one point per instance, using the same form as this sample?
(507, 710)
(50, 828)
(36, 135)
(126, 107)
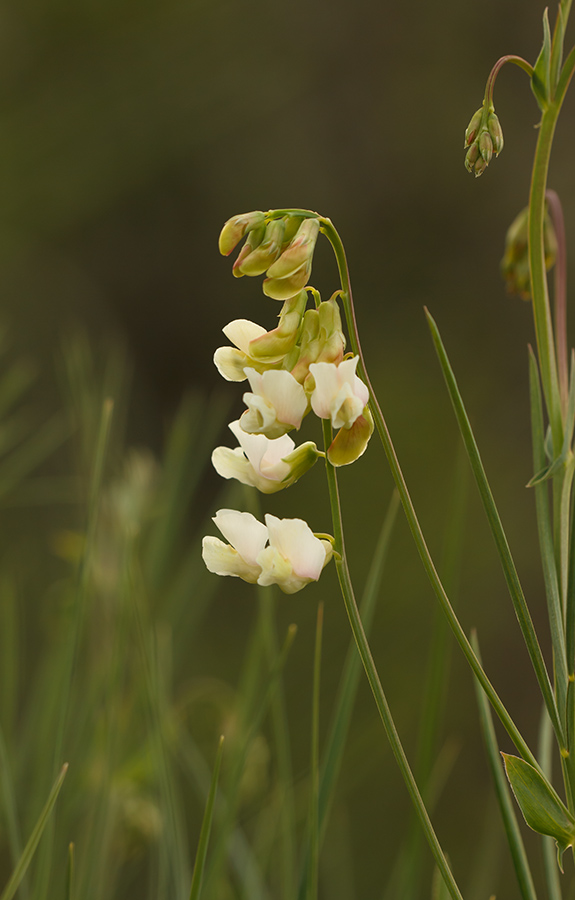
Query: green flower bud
(486, 146)
(321, 339)
(299, 253)
(259, 260)
(236, 227)
(284, 288)
(273, 346)
(253, 240)
(473, 127)
(495, 130)
(515, 262)
(471, 157)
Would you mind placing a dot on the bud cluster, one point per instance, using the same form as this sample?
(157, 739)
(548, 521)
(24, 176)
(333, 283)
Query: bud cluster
(281, 247)
(483, 138)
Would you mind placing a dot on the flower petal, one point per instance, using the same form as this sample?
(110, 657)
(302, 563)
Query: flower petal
(294, 539)
(243, 531)
(241, 331)
(222, 559)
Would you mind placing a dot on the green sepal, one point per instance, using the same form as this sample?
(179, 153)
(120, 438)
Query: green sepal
(541, 78)
(542, 808)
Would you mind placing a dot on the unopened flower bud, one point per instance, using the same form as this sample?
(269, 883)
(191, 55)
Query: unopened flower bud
(473, 127)
(273, 346)
(486, 146)
(253, 240)
(471, 157)
(299, 251)
(265, 254)
(290, 273)
(495, 130)
(321, 339)
(515, 262)
(235, 229)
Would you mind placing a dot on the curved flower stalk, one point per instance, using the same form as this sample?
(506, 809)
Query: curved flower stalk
(283, 551)
(268, 465)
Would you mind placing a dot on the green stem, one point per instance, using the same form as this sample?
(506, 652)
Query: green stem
(374, 681)
(517, 60)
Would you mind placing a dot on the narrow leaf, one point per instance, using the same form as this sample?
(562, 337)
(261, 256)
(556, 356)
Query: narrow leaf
(542, 808)
(30, 848)
(508, 565)
(541, 78)
(514, 839)
(202, 850)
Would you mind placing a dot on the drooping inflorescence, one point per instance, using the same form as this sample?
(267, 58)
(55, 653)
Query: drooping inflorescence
(294, 369)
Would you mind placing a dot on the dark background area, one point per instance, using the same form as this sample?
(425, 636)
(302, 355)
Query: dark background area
(130, 131)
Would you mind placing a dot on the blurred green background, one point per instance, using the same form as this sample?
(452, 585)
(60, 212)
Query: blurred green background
(130, 131)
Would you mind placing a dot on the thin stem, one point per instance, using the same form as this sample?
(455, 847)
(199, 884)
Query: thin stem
(517, 60)
(560, 285)
(374, 681)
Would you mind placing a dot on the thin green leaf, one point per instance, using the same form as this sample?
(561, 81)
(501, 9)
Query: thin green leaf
(202, 850)
(313, 827)
(545, 753)
(509, 570)
(542, 808)
(516, 846)
(546, 537)
(541, 78)
(557, 50)
(30, 848)
(349, 681)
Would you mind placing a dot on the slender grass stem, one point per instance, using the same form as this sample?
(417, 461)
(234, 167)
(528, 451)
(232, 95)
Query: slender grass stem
(313, 868)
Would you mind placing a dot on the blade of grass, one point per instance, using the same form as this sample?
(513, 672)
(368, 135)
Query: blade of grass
(506, 803)
(550, 867)
(70, 873)
(509, 570)
(313, 827)
(271, 681)
(546, 538)
(406, 877)
(349, 682)
(30, 848)
(202, 850)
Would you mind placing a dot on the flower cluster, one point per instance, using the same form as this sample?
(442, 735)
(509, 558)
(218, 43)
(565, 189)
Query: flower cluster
(294, 369)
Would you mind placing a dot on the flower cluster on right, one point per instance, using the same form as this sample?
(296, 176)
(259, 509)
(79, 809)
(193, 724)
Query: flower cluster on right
(297, 368)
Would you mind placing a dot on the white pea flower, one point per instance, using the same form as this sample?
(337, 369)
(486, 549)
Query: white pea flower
(268, 465)
(294, 556)
(231, 361)
(247, 539)
(339, 394)
(276, 404)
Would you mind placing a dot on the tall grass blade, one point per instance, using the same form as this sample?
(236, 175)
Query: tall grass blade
(550, 867)
(313, 828)
(349, 681)
(202, 850)
(509, 570)
(30, 848)
(506, 803)
(70, 874)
